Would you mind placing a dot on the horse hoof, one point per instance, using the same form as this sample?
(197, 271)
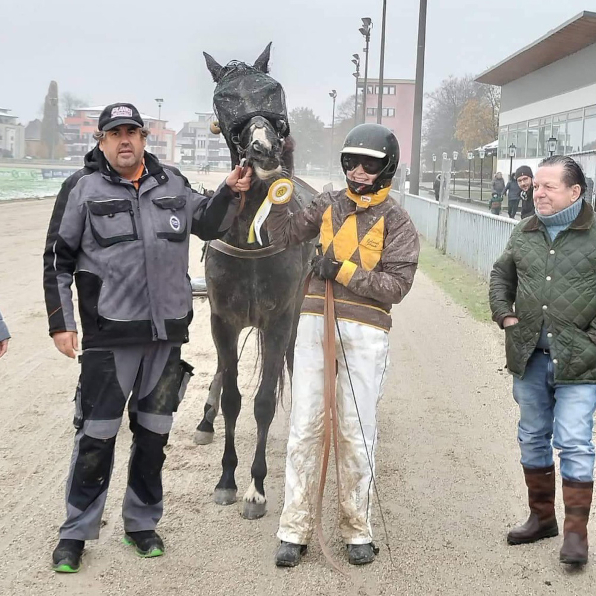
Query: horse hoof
(203, 438)
(253, 510)
(225, 496)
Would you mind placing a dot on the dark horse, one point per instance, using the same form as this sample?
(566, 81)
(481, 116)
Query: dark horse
(249, 285)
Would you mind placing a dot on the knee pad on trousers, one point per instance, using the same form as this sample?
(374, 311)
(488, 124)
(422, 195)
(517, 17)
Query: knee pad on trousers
(146, 464)
(91, 471)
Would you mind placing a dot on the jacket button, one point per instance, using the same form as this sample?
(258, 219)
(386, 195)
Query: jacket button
(549, 335)
(552, 252)
(544, 307)
(555, 361)
(548, 278)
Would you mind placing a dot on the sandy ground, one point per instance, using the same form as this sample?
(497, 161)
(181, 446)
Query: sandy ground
(448, 475)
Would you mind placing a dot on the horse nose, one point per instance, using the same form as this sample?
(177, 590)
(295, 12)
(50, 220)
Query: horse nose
(258, 147)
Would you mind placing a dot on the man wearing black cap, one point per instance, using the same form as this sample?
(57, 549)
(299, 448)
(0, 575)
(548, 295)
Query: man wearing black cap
(120, 228)
(525, 181)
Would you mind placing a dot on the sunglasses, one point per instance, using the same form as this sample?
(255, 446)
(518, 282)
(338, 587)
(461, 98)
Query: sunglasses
(371, 165)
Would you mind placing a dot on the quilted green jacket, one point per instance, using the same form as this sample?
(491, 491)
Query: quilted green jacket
(539, 281)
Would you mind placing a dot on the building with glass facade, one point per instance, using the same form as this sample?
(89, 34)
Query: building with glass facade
(548, 91)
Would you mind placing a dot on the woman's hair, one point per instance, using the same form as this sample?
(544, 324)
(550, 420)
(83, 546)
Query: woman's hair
(101, 134)
(572, 171)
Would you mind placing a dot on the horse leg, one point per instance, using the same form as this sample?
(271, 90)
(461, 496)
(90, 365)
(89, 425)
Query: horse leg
(277, 334)
(225, 337)
(205, 430)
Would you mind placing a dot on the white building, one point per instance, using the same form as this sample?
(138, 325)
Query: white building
(12, 136)
(548, 90)
(196, 145)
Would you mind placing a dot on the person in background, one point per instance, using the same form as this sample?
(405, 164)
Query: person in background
(525, 181)
(437, 186)
(4, 337)
(512, 190)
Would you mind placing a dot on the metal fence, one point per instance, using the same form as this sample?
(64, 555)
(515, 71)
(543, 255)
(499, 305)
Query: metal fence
(472, 237)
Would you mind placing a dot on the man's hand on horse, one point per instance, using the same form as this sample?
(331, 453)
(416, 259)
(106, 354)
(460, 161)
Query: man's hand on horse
(237, 183)
(324, 267)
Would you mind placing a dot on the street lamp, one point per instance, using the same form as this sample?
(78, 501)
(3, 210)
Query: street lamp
(365, 31)
(455, 154)
(481, 154)
(512, 150)
(159, 102)
(382, 65)
(470, 158)
(434, 162)
(552, 146)
(356, 61)
(332, 95)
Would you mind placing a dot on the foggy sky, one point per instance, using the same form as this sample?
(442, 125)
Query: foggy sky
(119, 50)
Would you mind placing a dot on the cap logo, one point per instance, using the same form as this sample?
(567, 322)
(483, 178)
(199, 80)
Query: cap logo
(121, 112)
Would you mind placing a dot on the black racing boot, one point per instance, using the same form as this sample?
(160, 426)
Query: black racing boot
(66, 557)
(147, 543)
(361, 554)
(289, 554)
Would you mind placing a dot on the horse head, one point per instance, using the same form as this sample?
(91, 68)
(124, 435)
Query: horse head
(251, 109)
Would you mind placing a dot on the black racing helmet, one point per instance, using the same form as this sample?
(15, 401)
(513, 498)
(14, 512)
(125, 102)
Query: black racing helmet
(378, 147)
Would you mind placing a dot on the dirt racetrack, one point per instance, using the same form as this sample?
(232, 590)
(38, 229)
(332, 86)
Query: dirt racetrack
(448, 469)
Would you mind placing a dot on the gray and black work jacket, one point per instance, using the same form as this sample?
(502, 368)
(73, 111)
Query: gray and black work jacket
(128, 252)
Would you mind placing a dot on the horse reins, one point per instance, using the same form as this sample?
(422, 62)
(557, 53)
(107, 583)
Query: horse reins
(329, 414)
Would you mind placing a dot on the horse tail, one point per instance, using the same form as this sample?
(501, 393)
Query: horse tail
(260, 363)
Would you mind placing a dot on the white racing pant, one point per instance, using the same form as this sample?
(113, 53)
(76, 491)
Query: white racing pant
(367, 355)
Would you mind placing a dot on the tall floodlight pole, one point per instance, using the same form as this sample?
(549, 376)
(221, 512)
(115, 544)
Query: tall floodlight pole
(365, 31)
(356, 61)
(382, 65)
(332, 95)
(418, 97)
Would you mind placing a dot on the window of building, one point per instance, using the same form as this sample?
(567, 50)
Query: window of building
(371, 111)
(370, 90)
(544, 134)
(389, 112)
(573, 139)
(521, 142)
(503, 153)
(532, 142)
(590, 111)
(391, 90)
(589, 142)
(559, 132)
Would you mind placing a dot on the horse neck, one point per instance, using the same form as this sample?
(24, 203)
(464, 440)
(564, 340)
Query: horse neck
(237, 235)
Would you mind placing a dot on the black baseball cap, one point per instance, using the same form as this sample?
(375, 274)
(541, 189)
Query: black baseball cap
(117, 114)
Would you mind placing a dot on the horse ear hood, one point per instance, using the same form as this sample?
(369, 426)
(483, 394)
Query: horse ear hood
(214, 68)
(262, 62)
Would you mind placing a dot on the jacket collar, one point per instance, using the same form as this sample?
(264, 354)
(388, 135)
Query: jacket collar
(583, 221)
(95, 160)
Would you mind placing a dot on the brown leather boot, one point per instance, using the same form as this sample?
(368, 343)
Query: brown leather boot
(577, 497)
(542, 522)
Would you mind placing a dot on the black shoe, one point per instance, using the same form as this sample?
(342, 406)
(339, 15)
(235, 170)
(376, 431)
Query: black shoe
(289, 554)
(361, 554)
(147, 543)
(66, 557)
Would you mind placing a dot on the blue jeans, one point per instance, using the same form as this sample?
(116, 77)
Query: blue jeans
(559, 415)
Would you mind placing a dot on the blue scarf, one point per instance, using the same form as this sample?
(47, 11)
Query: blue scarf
(560, 221)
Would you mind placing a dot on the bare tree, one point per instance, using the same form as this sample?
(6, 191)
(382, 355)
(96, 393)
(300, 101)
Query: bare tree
(444, 109)
(70, 102)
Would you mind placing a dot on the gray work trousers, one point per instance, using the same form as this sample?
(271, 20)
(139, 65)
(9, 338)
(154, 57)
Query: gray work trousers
(154, 378)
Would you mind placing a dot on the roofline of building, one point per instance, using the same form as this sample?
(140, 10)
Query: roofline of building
(540, 53)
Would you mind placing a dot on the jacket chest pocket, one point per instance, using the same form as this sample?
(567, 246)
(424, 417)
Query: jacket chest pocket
(112, 221)
(170, 217)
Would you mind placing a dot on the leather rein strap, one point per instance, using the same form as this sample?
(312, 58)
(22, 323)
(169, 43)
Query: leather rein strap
(330, 415)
